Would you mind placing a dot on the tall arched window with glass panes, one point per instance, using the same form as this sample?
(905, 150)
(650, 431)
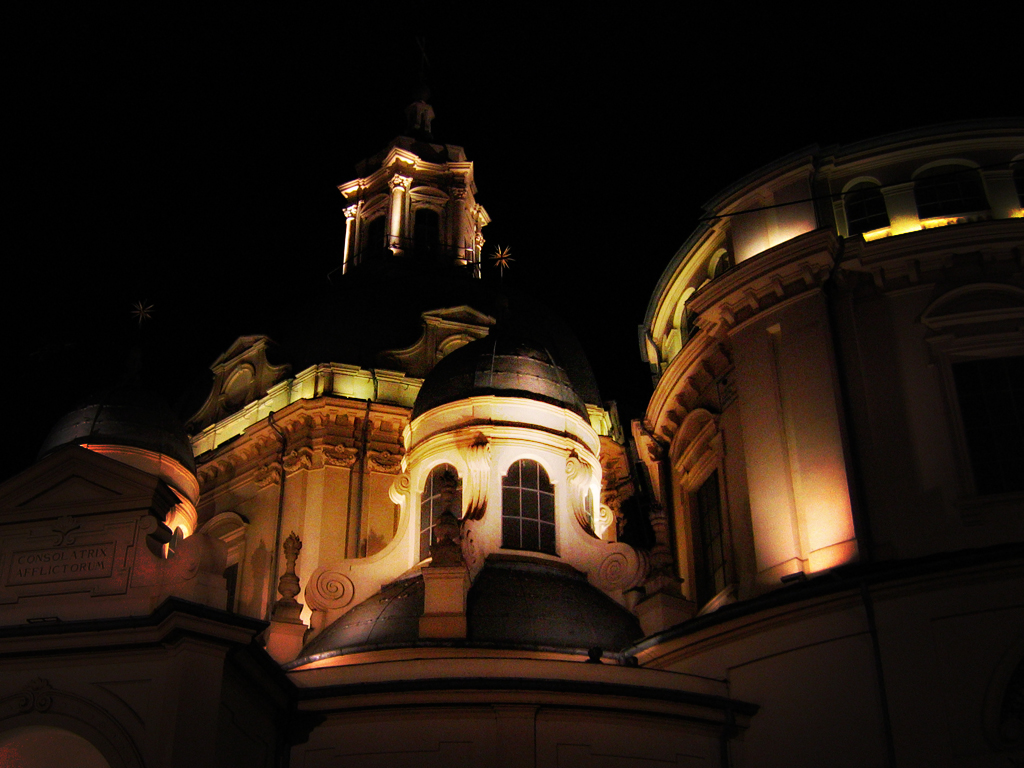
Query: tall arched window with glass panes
(528, 508)
(442, 492)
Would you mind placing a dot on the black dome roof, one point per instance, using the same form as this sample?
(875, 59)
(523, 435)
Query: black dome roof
(128, 416)
(505, 364)
(513, 603)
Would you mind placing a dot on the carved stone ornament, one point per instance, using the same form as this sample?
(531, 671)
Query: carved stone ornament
(339, 456)
(242, 375)
(37, 695)
(65, 527)
(445, 551)
(621, 570)
(216, 472)
(400, 489)
(300, 458)
(385, 461)
(269, 474)
(327, 590)
(288, 608)
(605, 518)
(579, 474)
(404, 182)
(478, 462)
(351, 212)
(458, 193)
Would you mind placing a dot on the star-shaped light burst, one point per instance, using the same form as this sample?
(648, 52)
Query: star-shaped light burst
(502, 258)
(143, 310)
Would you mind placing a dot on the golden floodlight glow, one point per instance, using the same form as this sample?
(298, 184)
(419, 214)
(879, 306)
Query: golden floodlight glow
(785, 233)
(181, 482)
(877, 234)
(827, 513)
(941, 221)
(901, 225)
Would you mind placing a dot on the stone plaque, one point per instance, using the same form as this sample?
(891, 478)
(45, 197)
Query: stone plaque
(93, 554)
(44, 566)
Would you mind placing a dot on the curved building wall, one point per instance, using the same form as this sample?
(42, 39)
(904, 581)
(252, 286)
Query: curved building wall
(826, 320)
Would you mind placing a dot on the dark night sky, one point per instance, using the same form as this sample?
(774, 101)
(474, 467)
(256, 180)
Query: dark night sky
(193, 161)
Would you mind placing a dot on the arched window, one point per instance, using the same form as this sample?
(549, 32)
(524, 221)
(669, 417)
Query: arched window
(708, 539)
(528, 508)
(949, 190)
(426, 231)
(865, 209)
(719, 264)
(441, 493)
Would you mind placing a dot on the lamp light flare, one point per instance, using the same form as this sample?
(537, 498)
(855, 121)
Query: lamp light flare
(143, 310)
(502, 258)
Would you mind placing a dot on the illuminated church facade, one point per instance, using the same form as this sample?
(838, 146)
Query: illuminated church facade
(413, 553)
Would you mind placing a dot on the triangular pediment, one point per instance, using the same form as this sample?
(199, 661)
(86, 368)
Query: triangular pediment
(75, 478)
(70, 490)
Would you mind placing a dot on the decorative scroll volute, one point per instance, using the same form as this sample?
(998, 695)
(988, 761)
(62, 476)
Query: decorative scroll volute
(400, 488)
(605, 523)
(478, 463)
(328, 590)
(622, 569)
(579, 475)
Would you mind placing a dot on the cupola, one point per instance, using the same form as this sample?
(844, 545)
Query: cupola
(136, 427)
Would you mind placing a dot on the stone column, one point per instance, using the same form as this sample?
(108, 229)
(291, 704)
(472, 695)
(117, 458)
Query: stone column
(399, 186)
(350, 233)
(459, 225)
(901, 205)
(478, 250)
(1001, 192)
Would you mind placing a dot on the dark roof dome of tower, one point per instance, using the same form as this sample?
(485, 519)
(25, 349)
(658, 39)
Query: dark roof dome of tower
(126, 415)
(513, 603)
(504, 364)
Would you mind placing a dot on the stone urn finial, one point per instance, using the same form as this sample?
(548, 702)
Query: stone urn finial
(287, 608)
(446, 551)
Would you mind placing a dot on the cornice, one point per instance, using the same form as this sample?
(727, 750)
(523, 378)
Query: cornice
(778, 274)
(802, 168)
(406, 163)
(511, 412)
(916, 148)
(679, 385)
(319, 433)
(795, 163)
(926, 256)
(982, 236)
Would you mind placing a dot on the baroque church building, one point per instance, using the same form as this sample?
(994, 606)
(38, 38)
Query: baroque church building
(408, 543)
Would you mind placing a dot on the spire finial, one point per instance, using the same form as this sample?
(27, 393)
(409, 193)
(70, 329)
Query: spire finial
(419, 114)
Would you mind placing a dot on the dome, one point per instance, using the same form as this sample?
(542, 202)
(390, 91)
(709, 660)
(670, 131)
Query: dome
(125, 416)
(513, 603)
(502, 364)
